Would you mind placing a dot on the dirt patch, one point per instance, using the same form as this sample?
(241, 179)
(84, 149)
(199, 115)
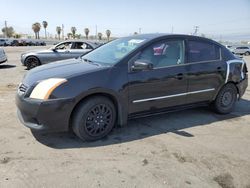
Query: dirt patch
(225, 180)
(5, 160)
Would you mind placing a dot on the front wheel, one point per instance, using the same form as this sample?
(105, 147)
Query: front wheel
(94, 118)
(247, 53)
(32, 62)
(226, 99)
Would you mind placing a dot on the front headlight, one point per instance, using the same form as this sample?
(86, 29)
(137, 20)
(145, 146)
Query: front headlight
(44, 88)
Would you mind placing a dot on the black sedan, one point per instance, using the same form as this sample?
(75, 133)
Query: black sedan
(150, 74)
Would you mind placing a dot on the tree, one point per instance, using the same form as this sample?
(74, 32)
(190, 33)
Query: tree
(86, 31)
(78, 36)
(69, 35)
(36, 28)
(100, 36)
(108, 33)
(8, 31)
(45, 25)
(58, 31)
(73, 30)
(135, 33)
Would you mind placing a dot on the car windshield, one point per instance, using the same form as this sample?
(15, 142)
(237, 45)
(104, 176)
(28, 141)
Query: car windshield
(110, 53)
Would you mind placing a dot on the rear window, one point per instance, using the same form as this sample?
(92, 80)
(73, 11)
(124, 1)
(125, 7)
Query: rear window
(202, 51)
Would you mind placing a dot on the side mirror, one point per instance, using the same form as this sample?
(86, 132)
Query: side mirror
(54, 49)
(142, 64)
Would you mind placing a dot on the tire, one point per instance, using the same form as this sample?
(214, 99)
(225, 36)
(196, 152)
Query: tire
(247, 53)
(226, 99)
(94, 118)
(31, 62)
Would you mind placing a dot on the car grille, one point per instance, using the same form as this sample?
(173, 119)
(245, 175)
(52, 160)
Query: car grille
(22, 88)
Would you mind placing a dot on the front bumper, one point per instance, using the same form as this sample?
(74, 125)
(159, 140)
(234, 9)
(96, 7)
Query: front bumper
(22, 59)
(3, 61)
(49, 116)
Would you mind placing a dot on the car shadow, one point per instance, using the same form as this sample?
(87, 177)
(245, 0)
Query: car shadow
(7, 66)
(147, 127)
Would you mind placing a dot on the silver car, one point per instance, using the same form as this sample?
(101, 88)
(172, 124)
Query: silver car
(242, 50)
(3, 57)
(64, 50)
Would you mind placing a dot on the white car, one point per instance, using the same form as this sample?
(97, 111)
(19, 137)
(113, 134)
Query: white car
(3, 57)
(242, 50)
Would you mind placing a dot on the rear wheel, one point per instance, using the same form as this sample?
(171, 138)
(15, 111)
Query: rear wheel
(32, 62)
(94, 118)
(226, 99)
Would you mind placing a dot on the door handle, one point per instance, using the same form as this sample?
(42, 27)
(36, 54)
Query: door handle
(179, 76)
(67, 51)
(219, 69)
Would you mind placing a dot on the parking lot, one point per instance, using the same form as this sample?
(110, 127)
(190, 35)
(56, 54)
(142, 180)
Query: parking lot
(191, 148)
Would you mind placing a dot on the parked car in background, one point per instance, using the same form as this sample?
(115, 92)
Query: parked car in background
(156, 73)
(64, 50)
(14, 42)
(3, 57)
(242, 50)
(5, 42)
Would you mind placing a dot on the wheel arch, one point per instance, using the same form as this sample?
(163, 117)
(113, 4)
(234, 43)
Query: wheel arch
(229, 82)
(31, 55)
(121, 112)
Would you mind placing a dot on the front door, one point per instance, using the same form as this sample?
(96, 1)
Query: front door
(165, 84)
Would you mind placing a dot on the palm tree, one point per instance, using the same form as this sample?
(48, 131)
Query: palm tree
(36, 28)
(100, 36)
(86, 31)
(45, 25)
(108, 33)
(58, 30)
(73, 30)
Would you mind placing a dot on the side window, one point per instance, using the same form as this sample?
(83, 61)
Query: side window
(165, 53)
(82, 45)
(64, 46)
(202, 51)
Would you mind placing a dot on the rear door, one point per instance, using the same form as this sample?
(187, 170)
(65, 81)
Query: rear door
(80, 48)
(205, 70)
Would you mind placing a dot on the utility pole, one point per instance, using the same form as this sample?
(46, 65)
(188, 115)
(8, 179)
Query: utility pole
(96, 32)
(6, 35)
(172, 31)
(62, 32)
(196, 28)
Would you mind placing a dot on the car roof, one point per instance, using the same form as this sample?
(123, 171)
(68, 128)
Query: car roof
(153, 36)
(88, 42)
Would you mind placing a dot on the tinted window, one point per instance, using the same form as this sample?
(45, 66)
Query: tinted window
(202, 51)
(165, 53)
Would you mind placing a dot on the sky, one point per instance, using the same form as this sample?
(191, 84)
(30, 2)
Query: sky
(223, 19)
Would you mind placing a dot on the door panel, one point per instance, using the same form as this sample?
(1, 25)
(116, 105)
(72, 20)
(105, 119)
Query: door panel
(159, 83)
(205, 70)
(205, 79)
(163, 86)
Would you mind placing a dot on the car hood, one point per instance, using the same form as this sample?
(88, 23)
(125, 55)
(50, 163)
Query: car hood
(60, 69)
(38, 51)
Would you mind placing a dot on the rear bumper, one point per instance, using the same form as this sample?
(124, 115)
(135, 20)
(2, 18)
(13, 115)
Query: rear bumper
(242, 86)
(46, 116)
(3, 59)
